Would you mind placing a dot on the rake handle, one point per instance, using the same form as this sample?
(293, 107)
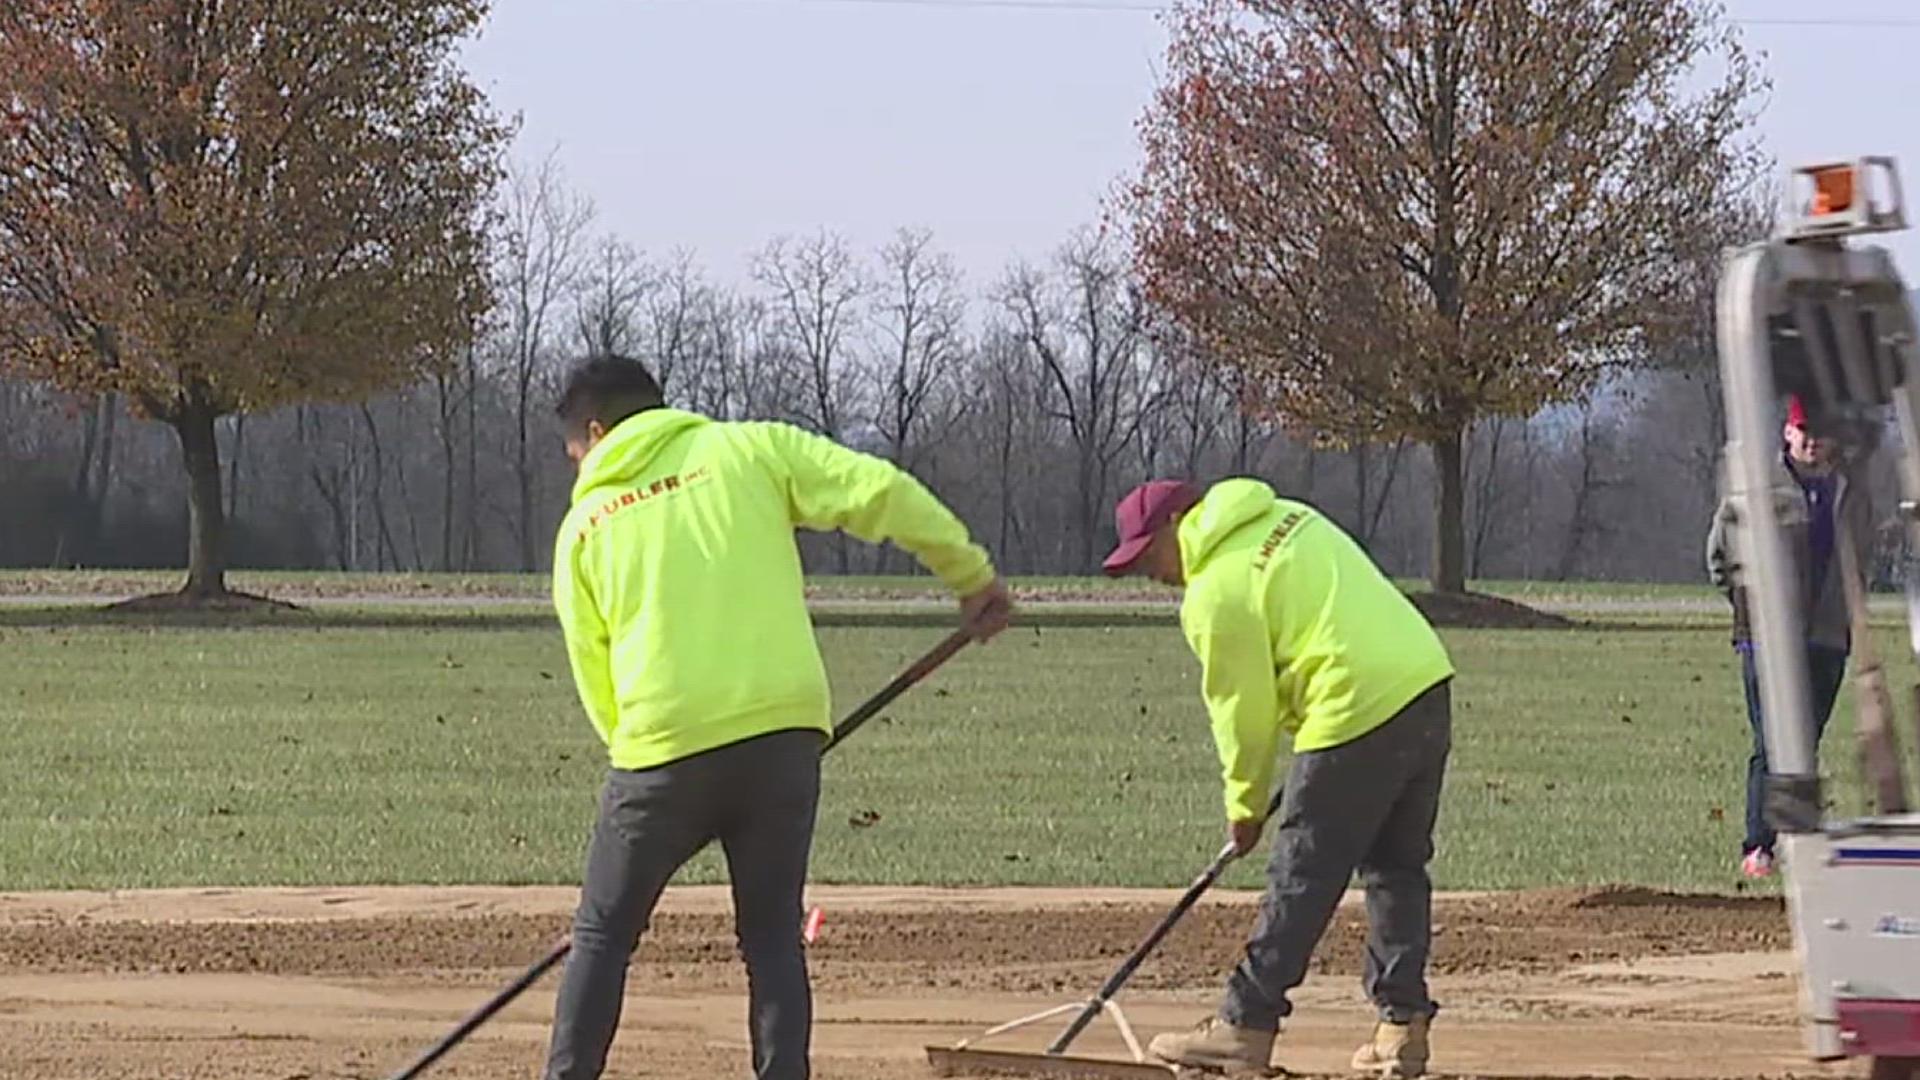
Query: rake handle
(901, 683)
(486, 1012)
(1139, 955)
(919, 670)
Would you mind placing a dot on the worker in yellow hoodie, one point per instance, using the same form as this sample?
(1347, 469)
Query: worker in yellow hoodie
(678, 584)
(1299, 633)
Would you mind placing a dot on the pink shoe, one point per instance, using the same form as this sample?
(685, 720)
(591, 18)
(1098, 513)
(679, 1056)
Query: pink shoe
(1757, 864)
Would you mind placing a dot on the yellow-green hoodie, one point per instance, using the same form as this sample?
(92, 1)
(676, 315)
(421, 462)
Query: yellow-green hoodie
(1296, 630)
(678, 583)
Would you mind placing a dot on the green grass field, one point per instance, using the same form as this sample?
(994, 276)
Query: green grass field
(450, 749)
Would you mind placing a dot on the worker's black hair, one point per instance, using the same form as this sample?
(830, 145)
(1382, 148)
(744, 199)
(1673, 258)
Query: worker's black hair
(609, 389)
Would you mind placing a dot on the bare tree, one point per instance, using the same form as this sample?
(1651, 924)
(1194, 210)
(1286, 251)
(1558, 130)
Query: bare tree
(1193, 406)
(539, 262)
(1086, 328)
(919, 316)
(92, 481)
(386, 555)
(1484, 495)
(614, 286)
(453, 391)
(1254, 428)
(681, 332)
(427, 476)
(333, 480)
(1591, 477)
(1686, 344)
(1005, 371)
(1369, 510)
(237, 456)
(735, 372)
(814, 291)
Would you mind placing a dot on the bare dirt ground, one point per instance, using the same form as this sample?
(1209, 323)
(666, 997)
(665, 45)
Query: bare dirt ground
(329, 984)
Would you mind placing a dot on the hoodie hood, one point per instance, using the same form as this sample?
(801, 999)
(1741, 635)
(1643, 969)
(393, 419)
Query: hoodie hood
(630, 447)
(1230, 505)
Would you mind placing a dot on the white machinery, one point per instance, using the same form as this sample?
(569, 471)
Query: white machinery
(1811, 314)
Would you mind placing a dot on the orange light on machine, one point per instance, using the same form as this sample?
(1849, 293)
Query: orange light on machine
(1833, 189)
(1834, 199)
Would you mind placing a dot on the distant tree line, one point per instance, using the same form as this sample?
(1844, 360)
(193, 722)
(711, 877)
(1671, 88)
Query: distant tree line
(1029, 402)
(1445, 270)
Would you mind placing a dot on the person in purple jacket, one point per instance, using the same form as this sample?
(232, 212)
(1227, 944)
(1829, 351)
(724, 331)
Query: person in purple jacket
(1812, 495)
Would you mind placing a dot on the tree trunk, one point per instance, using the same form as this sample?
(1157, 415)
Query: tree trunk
(353, 488)
(418, 562)
(1088, 513)
(523, 474)
(448, 475)
(1309, 472)
(1449, 489)
(1004, 459)
(207, 529)
(1379, 509)
(386, 555)
(470, 537)
(233, 466)
(1486, 495)
(1449, 532)
(73, 546)
(1360, 503)
(102, 485)
(1580, 519)
(1528, 547)
(329, 490)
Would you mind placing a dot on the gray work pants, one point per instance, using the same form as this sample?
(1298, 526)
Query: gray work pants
(1366, 806)
(758, 799)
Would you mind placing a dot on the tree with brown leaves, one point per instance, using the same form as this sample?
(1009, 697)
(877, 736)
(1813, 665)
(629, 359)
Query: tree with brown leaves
(1410, 216)
(223, 206)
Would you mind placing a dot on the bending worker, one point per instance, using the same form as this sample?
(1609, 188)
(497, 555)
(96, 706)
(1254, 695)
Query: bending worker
(1298, 631)
(678, 584)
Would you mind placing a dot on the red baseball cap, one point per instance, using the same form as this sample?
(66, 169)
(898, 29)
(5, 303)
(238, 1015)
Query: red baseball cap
(1796, 412)
(1141, 513)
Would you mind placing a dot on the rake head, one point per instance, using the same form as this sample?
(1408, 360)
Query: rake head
(957, 1061)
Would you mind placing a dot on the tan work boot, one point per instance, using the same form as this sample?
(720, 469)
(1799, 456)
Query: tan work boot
(1217, 1045)
(1397, 1051)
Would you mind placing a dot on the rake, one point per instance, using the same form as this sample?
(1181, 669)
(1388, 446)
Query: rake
(920, 669)
(965, 1059)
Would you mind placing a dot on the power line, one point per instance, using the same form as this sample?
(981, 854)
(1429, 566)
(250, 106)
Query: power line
(1892, 22)
(1882, 22)
(999, 5)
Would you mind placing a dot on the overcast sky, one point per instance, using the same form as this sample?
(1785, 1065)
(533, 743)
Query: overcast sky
(999, 124)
